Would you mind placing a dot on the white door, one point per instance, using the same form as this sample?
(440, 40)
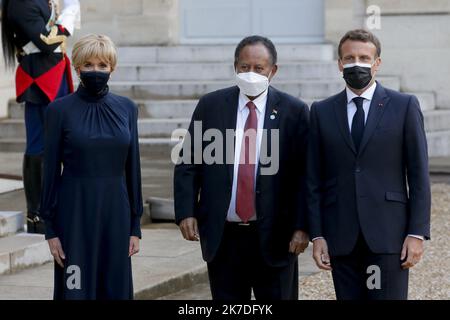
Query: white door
(228, 21)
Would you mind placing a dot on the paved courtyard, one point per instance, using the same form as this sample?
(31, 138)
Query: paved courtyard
(170, 268)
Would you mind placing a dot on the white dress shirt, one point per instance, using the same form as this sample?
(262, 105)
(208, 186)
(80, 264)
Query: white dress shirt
(351, 110)
(351, 106)
(242, 114)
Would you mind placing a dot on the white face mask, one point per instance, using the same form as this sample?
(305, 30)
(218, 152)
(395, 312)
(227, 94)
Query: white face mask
(252, 84)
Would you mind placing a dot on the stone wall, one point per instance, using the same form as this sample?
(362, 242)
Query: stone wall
(136, 22)
(415, 36)
(415, 39)
(341, 16)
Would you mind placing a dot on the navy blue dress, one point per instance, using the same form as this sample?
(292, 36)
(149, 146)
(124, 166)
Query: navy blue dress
(94, 205)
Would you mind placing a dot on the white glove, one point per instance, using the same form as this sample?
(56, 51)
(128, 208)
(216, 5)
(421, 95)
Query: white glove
(70, 17)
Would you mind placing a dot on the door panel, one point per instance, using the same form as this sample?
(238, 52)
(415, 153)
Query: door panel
(228, 21)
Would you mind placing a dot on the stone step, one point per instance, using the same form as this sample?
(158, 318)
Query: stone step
(11, 222)
(157, 91)
(220, 53)
(169, 109)
(22, 251)
(12, 128)
(306, 89)
(219, 71)
(165, 264)
(9, 183)
(15, 128)
(166, 109)
(12, 145)
(437, 120)
(438, 145)
(160, 148)
(161, 208)
(157, 147)
(427, 100)
(443, 107)
(15, 110)
(147, 108)
(160, 127)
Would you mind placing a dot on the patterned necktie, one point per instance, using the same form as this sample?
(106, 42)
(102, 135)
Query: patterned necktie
(245, 193)
(358, 122)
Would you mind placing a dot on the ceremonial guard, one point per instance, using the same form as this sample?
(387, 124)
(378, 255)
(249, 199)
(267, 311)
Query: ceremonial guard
(34, 34)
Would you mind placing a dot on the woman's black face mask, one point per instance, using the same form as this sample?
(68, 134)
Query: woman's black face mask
(94, 81)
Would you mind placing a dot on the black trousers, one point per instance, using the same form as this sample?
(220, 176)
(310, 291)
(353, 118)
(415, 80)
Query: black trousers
(364, 275)
(239, 267)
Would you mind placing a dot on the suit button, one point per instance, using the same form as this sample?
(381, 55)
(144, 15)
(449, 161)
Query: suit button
(258, 192)
(358, 170)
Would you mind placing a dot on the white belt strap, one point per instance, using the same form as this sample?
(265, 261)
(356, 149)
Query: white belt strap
(31, 48)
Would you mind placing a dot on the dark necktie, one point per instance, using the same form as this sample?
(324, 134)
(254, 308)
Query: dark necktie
(358, 122)
(245, 193)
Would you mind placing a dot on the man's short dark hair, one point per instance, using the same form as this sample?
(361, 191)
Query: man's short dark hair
(252, 40)
(363, 36)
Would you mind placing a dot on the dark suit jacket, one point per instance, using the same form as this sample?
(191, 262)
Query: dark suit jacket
(204, 190)
(368, 190)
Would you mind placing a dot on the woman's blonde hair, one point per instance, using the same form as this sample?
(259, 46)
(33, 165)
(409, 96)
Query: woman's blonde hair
(94, 46)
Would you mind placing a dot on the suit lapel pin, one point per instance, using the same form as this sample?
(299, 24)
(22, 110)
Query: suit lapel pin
(380, 104)
(274, 112)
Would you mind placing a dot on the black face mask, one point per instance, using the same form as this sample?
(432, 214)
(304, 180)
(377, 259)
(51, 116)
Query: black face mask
(357, 77)
(94, 81)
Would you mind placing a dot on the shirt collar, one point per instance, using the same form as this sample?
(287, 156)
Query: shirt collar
(259, 102)
(368, 94)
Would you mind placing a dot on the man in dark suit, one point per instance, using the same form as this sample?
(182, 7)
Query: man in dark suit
(367, 179)
(249, 210)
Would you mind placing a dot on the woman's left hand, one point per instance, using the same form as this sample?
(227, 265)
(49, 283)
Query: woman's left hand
(134, 246)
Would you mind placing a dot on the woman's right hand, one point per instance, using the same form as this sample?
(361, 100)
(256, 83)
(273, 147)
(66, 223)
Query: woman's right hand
(57, 251)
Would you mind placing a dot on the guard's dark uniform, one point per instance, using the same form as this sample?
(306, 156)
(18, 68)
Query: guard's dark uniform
(43, 75)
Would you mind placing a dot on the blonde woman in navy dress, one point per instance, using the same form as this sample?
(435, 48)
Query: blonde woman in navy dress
(92, 209)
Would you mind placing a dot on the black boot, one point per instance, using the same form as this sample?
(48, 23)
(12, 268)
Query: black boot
(32, 182)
